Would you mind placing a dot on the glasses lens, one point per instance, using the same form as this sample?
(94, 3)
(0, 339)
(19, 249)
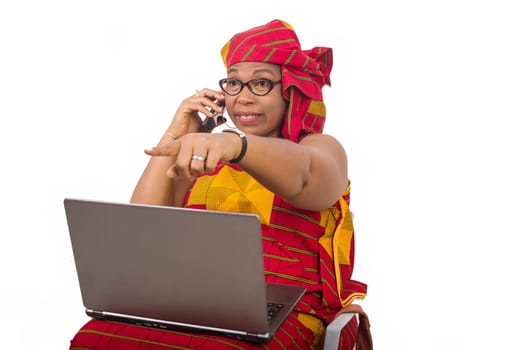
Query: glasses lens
(230, 86)
(260, 87)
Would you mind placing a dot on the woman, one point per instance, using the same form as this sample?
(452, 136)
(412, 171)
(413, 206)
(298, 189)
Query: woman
(277, 164)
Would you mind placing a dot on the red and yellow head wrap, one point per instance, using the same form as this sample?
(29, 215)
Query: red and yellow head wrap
(304, 72)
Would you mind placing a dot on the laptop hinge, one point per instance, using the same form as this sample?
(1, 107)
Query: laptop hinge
(95, 313)
(257, 336)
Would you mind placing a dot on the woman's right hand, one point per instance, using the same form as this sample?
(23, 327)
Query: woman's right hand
(187, 120)
(154, 187)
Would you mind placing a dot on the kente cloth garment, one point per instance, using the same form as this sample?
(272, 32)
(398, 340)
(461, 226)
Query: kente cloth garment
(304, 72)
(313, 249)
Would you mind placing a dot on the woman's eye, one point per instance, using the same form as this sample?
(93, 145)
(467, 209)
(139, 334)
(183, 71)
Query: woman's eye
(262, 83)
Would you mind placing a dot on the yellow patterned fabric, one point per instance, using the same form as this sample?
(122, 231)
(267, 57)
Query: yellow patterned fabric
(233, 191)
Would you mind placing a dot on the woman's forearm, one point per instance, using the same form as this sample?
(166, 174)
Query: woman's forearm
(310, 175)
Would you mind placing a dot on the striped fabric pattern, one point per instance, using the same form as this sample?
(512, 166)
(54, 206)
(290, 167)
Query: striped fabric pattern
(313, 249)
(304, 72)
(106, 335)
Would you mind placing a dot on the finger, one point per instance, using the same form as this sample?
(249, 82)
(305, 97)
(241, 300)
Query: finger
(171, 150)
(173, 173)
(183, 161)
(211, 161)
(212, 101)
(198, 161)
(204, 106)
(211, 94)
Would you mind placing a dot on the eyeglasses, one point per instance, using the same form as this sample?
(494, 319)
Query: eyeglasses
(259, 87)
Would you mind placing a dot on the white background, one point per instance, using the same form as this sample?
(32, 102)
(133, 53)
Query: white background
(426, 96)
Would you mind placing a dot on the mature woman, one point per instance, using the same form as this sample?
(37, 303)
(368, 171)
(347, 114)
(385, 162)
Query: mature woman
(275, 163)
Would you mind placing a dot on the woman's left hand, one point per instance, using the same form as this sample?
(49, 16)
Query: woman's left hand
(198, 153)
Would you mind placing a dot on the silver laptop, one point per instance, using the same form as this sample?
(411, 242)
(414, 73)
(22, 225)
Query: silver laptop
(176, 268)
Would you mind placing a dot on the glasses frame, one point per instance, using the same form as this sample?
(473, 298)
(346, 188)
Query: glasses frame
(247, 83)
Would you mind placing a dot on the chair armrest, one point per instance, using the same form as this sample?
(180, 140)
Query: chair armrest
(332, 336)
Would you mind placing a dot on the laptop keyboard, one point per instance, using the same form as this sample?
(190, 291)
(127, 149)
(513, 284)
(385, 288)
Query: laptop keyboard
(272, 310)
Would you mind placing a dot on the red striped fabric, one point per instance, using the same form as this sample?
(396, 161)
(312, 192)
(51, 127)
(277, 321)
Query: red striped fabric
(106, 335)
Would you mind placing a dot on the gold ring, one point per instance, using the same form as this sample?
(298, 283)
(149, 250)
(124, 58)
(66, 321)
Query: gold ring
(200, 158)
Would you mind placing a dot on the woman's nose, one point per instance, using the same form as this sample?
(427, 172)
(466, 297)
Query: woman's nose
(245, 96)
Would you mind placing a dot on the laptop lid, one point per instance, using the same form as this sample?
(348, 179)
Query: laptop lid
(174, 268)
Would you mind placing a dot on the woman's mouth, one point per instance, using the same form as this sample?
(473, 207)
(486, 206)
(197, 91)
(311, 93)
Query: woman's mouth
(247, 118)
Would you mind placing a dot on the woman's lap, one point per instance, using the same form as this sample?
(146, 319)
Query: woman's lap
(108, 335)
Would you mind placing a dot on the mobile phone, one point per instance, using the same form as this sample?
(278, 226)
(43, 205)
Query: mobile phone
(208, 124)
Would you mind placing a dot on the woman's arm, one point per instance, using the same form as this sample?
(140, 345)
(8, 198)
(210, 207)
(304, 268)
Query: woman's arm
(155, 186)
(311, 174)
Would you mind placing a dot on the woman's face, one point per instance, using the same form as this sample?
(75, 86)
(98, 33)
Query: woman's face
(258, 115)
